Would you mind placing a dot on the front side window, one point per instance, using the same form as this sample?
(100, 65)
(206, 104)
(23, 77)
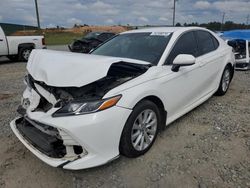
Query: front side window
(140, 46)
(186, 44)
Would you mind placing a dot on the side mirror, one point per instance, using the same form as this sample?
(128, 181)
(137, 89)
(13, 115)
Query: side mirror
(182, 60)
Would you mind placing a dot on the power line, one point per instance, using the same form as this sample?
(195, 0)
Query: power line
(37, 15)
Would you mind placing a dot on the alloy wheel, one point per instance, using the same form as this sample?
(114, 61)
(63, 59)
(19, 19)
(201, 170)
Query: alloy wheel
(26, 54)
(144, 130)
(226, 80)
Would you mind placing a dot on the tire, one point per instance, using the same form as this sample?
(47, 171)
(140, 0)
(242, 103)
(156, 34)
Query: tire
(135, 129)
(225, 81)
(24, 54)
(13, 57)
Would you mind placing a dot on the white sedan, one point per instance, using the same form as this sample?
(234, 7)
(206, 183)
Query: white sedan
(83, 110)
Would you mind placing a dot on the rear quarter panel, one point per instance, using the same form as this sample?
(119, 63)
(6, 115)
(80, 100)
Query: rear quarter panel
(227, 55)
(15, 41)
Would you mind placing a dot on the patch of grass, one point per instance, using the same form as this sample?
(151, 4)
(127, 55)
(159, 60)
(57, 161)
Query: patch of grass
(60, 38)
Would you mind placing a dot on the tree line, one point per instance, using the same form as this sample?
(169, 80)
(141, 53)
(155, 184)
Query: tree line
(217, 26)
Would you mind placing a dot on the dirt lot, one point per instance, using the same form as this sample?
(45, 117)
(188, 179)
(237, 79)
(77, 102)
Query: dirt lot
(208, 147)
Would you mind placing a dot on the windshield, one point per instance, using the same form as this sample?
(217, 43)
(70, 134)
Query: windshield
(92, 35)
(141, 46)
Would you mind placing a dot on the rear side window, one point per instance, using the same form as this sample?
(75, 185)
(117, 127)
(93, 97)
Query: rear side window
(206, 42)
(216, 43)
(186, 44)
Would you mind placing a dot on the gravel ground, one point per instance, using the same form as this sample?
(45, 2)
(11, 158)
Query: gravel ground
(208, 147)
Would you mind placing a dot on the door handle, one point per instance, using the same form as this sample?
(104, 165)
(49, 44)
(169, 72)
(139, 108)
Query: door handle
(1, 39)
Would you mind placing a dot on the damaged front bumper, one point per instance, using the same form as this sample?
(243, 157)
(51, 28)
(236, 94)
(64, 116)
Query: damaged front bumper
(242, 66)
(55, 162)
(74, 142)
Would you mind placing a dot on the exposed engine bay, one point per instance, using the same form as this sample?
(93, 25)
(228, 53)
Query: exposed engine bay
(118, 74)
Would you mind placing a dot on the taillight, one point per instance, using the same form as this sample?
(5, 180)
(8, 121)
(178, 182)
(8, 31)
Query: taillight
(43, 41)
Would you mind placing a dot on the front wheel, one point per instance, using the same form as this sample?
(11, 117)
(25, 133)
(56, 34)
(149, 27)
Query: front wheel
(140, 130)
(225, 81)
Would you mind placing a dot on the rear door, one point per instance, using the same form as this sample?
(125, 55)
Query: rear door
(210, 60)
(3, 43)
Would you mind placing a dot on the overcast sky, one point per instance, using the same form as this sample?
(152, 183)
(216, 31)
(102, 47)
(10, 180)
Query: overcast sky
(134, 12)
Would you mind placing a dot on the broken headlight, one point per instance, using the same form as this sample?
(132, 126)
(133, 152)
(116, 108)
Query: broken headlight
(86, 107)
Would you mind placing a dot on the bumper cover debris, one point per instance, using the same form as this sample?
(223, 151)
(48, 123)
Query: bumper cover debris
(45, 143)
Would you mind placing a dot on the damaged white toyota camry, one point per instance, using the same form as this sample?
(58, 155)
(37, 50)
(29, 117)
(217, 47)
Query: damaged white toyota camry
(84, 110)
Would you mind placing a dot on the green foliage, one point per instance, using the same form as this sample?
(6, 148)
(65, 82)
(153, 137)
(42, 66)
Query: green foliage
(178, 24)
(216, 26)
(59, 38)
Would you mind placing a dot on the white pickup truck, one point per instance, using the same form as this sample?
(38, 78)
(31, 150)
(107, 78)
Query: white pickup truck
(18, 48)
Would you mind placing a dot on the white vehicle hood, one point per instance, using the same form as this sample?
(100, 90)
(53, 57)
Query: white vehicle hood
(66, 69)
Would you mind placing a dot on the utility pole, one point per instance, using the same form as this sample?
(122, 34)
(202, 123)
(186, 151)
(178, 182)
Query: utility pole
(247, 20)
(222, 21)
(174, 12)
(37, 15)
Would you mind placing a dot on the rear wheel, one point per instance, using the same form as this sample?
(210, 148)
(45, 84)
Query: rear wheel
(225, 81)
(140, 130)
(24, 54)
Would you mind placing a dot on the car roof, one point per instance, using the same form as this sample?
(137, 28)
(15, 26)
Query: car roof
(162, 29)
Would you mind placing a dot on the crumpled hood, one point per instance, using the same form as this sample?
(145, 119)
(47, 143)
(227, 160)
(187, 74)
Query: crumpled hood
(66, 69)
